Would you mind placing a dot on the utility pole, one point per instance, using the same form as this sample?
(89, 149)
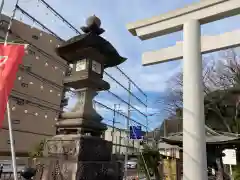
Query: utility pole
(165, 128)
(127, 129)
(114, 121)
(113, 124)
(147, 121)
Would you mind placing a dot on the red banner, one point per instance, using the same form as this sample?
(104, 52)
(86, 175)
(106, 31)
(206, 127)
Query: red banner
(10, 58)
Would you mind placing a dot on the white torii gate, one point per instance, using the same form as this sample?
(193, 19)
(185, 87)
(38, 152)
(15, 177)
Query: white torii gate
(189, 20)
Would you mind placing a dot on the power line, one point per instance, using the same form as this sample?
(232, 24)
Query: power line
(108, 75)
(120, 113)
(60, 16)
(78, 32)
(126, 103)
(54, 34)
(131, 81)
(39, 23)
(40, 77)
(50, 31)
(73, 28)
(22, 95)
(48, 56)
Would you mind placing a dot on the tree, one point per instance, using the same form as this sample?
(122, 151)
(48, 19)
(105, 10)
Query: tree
(37, 151)
(222, 110)
(148, 161)
(219, 75)
(236, 172)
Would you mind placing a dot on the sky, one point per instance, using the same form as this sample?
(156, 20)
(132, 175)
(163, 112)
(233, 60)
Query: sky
(115, 14)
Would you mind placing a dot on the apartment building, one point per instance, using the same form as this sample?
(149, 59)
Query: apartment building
(38, 90)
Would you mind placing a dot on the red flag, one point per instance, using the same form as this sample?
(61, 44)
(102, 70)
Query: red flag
(10, 58)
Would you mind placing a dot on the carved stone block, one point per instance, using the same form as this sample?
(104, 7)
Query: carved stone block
(84, 148)
(58, 169)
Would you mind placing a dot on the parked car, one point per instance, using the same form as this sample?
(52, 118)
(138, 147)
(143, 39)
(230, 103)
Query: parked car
(132, 164)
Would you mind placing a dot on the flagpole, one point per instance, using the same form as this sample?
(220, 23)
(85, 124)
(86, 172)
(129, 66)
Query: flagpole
(14, 165)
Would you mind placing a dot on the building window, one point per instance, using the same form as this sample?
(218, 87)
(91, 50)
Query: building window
(25, 85)
(20, 102)
(9, 141)
(16, 121)
(35, 37)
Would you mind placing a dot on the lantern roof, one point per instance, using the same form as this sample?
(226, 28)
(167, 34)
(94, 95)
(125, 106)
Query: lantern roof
(90, 45)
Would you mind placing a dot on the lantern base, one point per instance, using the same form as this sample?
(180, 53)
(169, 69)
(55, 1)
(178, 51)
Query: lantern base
(81, 158)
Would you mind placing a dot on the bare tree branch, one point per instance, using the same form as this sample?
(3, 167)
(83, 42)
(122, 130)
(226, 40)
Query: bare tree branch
(219, 73)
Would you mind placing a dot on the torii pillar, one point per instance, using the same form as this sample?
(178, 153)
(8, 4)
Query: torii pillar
(189, 20)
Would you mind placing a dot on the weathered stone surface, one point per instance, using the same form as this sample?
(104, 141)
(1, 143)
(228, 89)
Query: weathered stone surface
(59, 169)
(84, 148)
(98, 171)
(94, 149)
(84, 106)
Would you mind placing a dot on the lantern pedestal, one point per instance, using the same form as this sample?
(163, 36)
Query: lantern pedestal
(79, 157)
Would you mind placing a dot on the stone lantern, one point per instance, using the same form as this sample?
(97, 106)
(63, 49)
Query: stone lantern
(78, 149)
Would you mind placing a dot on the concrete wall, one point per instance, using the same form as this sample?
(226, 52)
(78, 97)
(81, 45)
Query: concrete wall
(35, 99)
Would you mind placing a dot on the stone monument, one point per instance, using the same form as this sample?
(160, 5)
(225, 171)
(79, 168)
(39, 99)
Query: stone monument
(78, 152)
